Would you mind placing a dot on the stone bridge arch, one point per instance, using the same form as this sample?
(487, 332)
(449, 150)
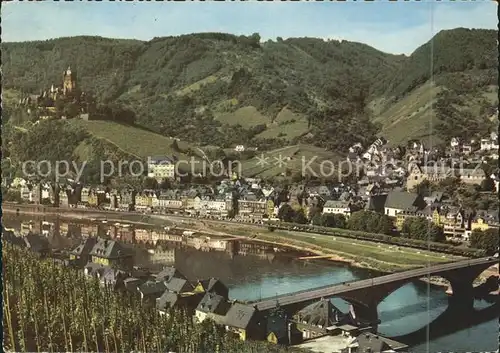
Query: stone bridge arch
(366, 300)
(461, 282)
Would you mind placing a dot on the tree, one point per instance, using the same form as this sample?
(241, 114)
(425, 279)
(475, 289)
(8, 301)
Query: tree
(150, 183)
(165, 184)
(328, 220)
(175, 146)
(488, 185)
(436, 233)
(486, 240)
(255, 39)
(71, 110)
(317, 219)
(340, 221)
(59, 105)
(422, 229)
(299, 217)
(385, 225)
(231, 214)
(314, 211)
(286, 213)
(371, 222)
(124, 115)
(11, 195)
(297, 177)
(424, 188)
(449, 185)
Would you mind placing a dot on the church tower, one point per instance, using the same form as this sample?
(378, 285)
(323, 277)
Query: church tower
(69, 81)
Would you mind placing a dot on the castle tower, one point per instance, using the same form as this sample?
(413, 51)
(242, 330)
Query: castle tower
(69, 81)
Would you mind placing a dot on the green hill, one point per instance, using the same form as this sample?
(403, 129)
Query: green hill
(455, 93)
(223, 90)
(92, 142)
(199, 87)
(134, 140)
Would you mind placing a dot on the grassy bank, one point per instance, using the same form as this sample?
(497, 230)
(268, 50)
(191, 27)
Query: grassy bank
(358, 253)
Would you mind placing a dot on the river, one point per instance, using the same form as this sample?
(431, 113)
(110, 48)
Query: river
(253, 271)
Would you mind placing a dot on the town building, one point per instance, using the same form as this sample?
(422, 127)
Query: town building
(399, 201)
(178, 285)
(69, 81)
(244, 321)
(63, 198)
(81, 254)
(84, 195)
(144, 200)
(168, 200)
(161, 167)
(110, 253)
(314, 319)
(369, 342)
(251, 207)
(212, 306)
(490, 143)
(126, 200)
(167, 273)
(37, 244)
(150, 291)
(472, 176)
(212, 285)
(183, 301)
(337, 207)
(433, 174)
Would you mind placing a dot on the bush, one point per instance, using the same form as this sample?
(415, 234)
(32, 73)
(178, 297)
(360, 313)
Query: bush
(368, 221)
(486, 240)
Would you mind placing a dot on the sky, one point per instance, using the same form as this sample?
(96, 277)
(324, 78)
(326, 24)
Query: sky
(395, 27)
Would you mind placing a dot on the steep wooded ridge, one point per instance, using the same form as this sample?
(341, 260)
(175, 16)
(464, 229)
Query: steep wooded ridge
(220, 89)
(459, 99)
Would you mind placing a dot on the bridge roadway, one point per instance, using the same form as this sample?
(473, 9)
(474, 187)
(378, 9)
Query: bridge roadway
(339, 289)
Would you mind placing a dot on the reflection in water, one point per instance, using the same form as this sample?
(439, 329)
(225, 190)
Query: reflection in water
(253, 271)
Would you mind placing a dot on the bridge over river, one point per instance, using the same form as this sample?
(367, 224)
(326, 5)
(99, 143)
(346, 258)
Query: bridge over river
(365, 295)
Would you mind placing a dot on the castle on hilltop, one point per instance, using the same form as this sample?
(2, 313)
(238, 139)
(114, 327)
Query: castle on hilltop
(69, 81)
(67, 96)
(68, 86)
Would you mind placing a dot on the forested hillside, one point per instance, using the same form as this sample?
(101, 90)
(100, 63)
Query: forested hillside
(220, 89)
(455, 93)
(196, 86)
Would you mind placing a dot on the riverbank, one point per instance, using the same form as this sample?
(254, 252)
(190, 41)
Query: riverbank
(355, 253)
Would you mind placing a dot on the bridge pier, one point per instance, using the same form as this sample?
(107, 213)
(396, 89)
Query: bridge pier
(365, 315)
(462, 287)
(462, 296)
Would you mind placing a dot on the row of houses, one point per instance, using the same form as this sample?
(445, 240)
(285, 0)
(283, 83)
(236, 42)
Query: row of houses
(456, 221)
(437, 173)
(488, 143)
(191, 201)
(170, 289)
(109, 262)
(209, 299)
(399, 205)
